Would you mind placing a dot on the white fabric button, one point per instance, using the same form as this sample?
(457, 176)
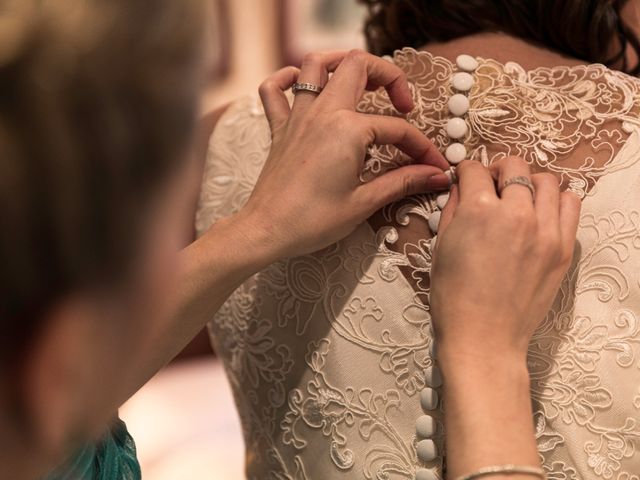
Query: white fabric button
(434, 221)
(428, 399)
(434, 241)
(432, 376)
(462, 81)
(455, 153)
(466, 63)
(459, 104)
(456, 128)
(427, 451)
(441, 200)
(424, 474)
(425, 426)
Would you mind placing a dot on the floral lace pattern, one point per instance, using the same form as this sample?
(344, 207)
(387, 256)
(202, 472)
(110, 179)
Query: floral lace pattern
(326, 353)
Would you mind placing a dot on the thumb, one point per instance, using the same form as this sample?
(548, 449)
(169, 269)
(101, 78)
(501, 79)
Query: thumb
(570, 206)
(447, 215)
(400, 183)
(449, 210)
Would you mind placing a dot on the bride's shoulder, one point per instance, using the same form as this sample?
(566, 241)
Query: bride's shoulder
(243, 125)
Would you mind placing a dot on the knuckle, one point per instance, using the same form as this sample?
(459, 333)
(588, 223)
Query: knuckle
(547, 179)
(522, 217)
(292, 70)
(482, 207)
(484, 201)
(496, 164)
(399, 74)
(408, 185)
(467, 165)
(312, 58)
(266, 86)
(356, 55)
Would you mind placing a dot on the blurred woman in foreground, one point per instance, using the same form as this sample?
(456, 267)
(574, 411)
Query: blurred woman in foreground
(98, 103)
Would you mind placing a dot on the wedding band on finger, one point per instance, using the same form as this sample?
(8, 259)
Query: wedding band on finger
(520, 180)
(306, 87)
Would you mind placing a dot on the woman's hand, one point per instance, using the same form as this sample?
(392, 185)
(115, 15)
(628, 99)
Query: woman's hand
(498, 263)
(309, 194)
(499, 260)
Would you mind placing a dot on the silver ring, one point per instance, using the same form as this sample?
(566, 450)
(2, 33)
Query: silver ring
(453, 175)
(306, 87)
(520, 180)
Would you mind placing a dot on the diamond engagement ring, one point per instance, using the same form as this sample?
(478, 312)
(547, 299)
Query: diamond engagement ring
(520, 180)
(306, 87)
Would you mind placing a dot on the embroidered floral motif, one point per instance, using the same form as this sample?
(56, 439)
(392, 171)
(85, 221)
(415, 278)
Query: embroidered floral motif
(323, 406)
(326, 352)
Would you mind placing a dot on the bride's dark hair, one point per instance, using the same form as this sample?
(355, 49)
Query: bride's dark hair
(585, 29)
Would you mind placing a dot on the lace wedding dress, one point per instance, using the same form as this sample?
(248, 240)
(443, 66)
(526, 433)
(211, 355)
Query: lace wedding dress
(326, 353)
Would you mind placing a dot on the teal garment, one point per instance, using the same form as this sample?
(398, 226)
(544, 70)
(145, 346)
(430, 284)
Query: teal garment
(112, 458)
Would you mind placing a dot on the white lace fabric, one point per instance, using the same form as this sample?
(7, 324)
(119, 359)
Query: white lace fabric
(326, 353)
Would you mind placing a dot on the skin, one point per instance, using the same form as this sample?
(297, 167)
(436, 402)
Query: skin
(527, 245)
(472, 409)
(312, 167)
(501, 294)
(99, 347)
(82, 367)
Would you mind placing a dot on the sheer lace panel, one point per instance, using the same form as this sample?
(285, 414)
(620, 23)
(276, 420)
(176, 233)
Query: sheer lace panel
(326, 353)
(568, 121)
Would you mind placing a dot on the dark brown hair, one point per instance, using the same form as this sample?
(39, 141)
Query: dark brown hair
(584, 29)
(97, 105)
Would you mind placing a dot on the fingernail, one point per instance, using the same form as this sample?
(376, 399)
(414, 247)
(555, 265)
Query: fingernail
(439, 181)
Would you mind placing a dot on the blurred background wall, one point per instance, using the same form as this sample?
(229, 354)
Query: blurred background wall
(184, 420)
(256, 37)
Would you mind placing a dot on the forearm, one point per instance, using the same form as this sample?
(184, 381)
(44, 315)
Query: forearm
(488, 414)
(495, 272)
(210, 270)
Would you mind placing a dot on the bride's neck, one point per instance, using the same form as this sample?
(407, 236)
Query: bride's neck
(503, 48)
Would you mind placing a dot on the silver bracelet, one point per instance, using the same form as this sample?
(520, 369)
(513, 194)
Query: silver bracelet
(507, 469)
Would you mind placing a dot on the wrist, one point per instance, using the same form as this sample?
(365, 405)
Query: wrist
(247, 240)
(463, 363)
(471, 340)
(477, 397)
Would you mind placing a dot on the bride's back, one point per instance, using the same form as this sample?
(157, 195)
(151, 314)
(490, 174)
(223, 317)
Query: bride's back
(327, 353)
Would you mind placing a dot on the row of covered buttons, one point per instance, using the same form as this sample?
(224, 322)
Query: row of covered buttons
(426, 426)
(459, 105)
(456, 129)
